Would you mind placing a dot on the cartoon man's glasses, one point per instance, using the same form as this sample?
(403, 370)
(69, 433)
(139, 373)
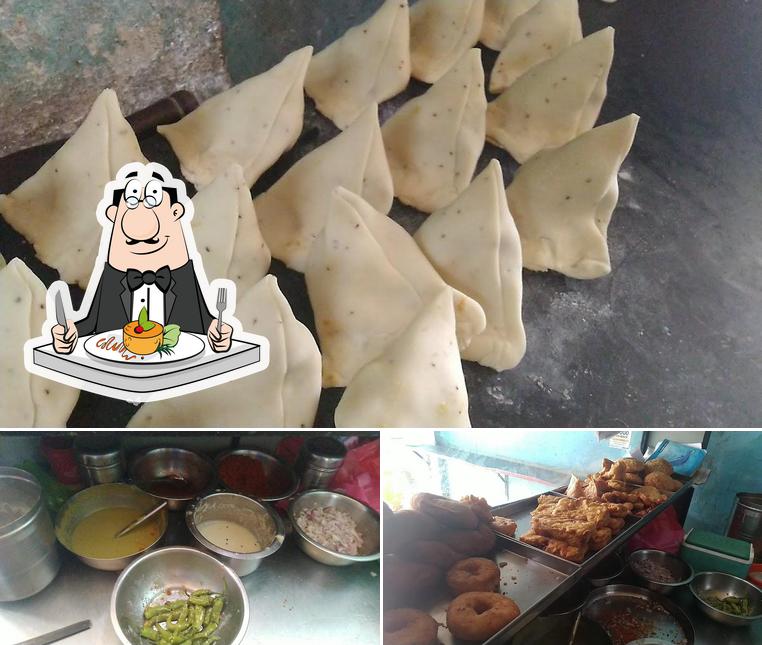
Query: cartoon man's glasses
(154, 193)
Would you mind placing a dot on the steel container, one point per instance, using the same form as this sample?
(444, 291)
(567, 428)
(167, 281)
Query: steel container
(165, 575)
(253, 515)
(718, 584)
(190, 473)
(319, 460)
(272, 467)
(28, 552)
(100, 462)
(96, 498)
(746, 523)
(366, 519)
(682, 571)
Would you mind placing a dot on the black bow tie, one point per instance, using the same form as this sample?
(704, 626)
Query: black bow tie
(161, 278)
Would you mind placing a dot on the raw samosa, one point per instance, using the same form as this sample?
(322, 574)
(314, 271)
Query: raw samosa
(250, 124)
(434, 141)
(293, 212)
(55, 208)
(283, 395)
(499, 16)
(441, 31)
(226, 231)
(370, 63)
(554, 101)
(562, 201)
(416, 382)
(474, 245)
(541, 33)
(27, 400)
(367, 279)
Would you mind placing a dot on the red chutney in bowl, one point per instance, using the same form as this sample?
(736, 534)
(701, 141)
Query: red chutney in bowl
(248, 476)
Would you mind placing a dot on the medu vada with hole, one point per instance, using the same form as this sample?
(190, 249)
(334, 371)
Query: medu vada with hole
(445, 511)
(473, 574)
(478, 615)
(409, 627)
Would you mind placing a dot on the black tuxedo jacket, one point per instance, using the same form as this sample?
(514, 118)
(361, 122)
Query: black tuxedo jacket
(184, 304)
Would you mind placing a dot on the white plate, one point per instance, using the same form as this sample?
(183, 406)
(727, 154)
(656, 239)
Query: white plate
(108, 347)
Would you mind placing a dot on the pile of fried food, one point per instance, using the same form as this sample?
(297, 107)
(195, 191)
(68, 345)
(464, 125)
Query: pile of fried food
(436, 546)
(594, 509)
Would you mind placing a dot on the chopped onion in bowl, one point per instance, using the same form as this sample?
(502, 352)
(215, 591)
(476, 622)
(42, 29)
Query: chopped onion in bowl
(331, 528)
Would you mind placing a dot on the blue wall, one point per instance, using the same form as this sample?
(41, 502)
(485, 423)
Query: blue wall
(735, 459)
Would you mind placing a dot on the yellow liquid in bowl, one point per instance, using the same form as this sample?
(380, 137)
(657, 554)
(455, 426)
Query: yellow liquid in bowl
(94, 537)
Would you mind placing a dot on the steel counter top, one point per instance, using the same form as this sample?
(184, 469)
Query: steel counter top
(292, 598)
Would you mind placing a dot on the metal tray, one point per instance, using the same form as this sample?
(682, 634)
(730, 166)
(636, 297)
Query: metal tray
(671, 626)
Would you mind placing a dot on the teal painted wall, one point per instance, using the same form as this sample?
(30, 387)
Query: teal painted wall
(735, 459)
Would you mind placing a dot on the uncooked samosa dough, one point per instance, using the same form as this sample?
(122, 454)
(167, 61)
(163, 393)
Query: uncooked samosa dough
(55, 208)
(441, 31)
(370, 63)
(367, 279)
(554, 101)
(499, 16)
(226, 231)
(434, 141)
(283, 395)
(293, 212)
(416, 382)
(541, 33)
(27, 400)
(474, 245)
(251, 124)
(562, 201)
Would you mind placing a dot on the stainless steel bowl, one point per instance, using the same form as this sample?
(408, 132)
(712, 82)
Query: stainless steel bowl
(96, 498)
(182, 474)
(166, 574)
(721, 585)
(608, 569)
(272, 468)
(365, 517)
(681, 571)
(259, 518)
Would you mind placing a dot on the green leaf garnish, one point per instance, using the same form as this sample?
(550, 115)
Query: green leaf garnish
(171, 335)
(143, 320)
(164, 349)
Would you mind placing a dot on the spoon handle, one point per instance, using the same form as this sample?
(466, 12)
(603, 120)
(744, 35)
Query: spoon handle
(141, 519)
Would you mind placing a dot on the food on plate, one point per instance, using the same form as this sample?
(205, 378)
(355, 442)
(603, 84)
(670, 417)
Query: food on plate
(499, 16)
(429, 552)
(736, 605)
(562, 201)
(478, 505)
(408, 526)
(662, 481)
(474, 245)
(194, 618)
(246, 475)
(478, 615)
(230, 535)
(250, 124)
(555, 101)
(434, 141)
(409, 626)
(441, 31)
(658, 465)
(93, 536)
(284, 395)
(144, 336)
(332, 528)
(445, 511)
(471, 542)
(473, 574)
(27, 400)
(367, 280)
(537, 35)
(368, 64)
(55, 208)
(416, 382)
(504, 525)
(226, 231)
(294, 210)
